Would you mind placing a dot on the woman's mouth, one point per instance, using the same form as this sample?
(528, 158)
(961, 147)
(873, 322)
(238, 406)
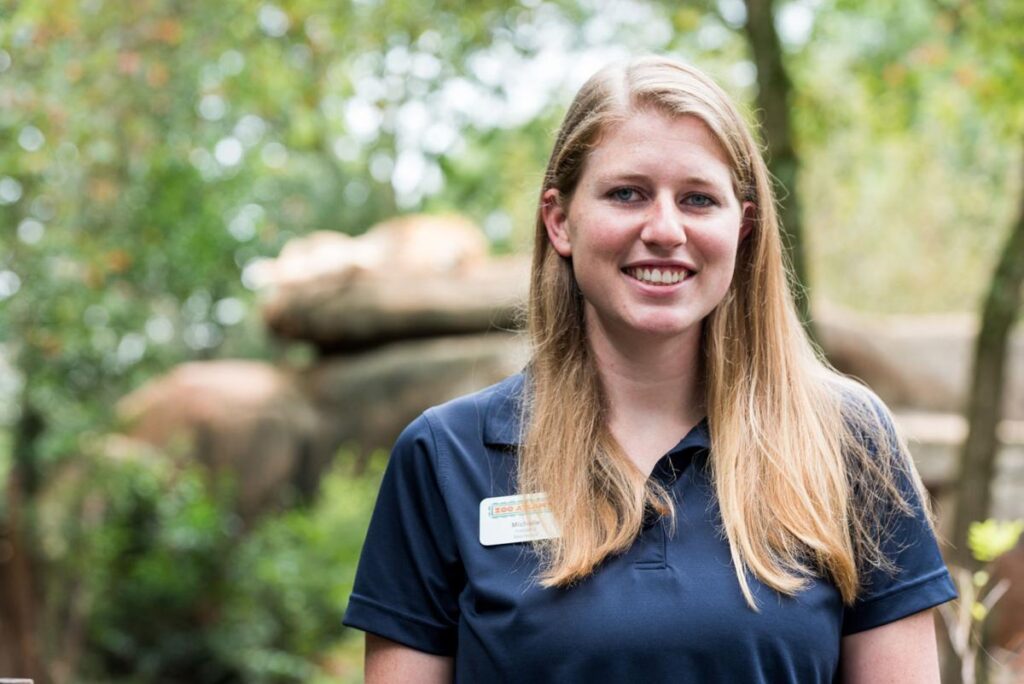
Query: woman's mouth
(657, 276)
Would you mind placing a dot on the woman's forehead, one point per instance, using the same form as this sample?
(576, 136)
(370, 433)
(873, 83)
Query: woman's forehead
(652, 143)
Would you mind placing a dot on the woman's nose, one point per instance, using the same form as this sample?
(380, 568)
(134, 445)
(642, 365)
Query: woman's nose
(664, 225)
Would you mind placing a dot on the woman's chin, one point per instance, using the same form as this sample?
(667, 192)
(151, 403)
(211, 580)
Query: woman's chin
(662, 327)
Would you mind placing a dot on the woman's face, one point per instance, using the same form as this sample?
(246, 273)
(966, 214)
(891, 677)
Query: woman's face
(653, 226)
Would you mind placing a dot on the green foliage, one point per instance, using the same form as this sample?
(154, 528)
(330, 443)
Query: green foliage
(156, 576)
(966, 620)
(912, 171)
(291, 580)
(135, 547)
(991, 538)
(153, 151)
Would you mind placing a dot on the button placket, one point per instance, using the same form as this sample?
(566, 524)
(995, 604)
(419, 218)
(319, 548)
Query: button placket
(653, 541)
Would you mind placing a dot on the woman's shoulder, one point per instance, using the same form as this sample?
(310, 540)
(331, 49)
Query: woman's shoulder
(491, 414)
(876, 455)
(865, 417)
(879, 464)
(852, 394)
(456, 443)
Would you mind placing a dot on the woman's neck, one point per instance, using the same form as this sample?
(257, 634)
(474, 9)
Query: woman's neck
(653, 387)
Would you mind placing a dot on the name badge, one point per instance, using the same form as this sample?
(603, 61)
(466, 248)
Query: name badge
(516, 518)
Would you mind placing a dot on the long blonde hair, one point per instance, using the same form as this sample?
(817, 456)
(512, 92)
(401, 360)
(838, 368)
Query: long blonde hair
(804, 462)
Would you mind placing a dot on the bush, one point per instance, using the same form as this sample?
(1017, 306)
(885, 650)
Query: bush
(153, 574)
(292, 578)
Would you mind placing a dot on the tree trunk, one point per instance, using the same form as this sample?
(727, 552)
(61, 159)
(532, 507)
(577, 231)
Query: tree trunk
(18, 649)
(19, 652)
(774, 94)
(978, 457)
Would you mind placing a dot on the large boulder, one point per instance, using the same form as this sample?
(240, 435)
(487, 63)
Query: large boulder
(429, 276)
(275, 433)
(366, 399)
(916, 362)
(416, 243)
(246, 419)
(412, 277)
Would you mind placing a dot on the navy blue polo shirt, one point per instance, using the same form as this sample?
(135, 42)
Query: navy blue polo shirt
(668, 609)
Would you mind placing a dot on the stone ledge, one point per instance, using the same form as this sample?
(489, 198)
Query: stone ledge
(950, 428)
(935, 440)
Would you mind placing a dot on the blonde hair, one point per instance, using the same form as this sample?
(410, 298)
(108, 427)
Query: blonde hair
(804, 462)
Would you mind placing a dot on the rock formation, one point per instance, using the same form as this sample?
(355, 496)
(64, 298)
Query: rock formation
(414, 312)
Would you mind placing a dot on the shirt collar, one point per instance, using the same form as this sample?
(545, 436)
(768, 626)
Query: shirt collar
(699, 437)
(502, 419)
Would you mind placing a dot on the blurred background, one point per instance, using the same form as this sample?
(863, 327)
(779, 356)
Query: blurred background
(242, 244)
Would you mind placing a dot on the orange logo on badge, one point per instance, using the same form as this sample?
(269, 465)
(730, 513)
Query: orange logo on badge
(516, 518)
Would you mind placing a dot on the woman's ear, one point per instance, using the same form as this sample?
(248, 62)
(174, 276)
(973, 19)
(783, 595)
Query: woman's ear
(748, 219)
(556, 220)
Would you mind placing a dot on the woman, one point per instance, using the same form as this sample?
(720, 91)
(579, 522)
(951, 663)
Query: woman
(554, 527)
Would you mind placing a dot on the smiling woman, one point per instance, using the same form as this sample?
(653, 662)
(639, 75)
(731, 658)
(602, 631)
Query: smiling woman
(676, 488)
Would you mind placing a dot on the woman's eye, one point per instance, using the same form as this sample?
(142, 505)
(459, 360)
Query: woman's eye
(699, 200)
(624, 194)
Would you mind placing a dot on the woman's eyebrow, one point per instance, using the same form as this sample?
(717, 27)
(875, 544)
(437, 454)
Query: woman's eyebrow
(627, 177)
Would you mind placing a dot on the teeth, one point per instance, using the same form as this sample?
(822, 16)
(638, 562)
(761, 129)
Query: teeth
(657, 276)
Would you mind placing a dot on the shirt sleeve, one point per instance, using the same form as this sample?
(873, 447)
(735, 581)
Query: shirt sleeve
(410, 572)
(920, 579)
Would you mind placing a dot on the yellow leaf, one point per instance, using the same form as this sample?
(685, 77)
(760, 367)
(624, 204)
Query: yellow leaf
(979, 612)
